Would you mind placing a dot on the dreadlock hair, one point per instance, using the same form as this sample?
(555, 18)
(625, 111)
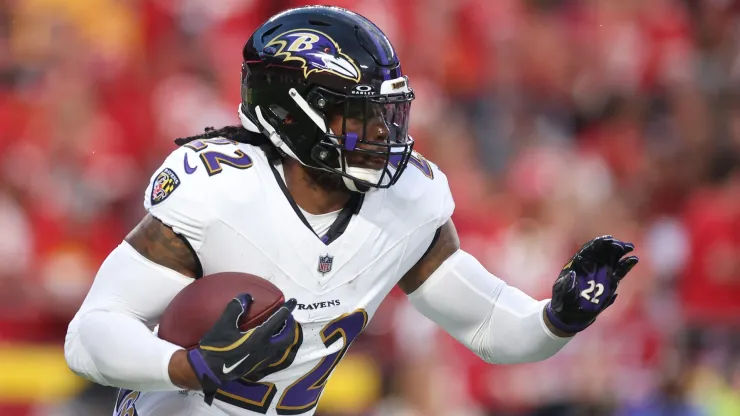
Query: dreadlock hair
(238, 134)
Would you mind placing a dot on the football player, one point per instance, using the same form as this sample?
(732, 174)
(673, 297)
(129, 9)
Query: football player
(320, 192)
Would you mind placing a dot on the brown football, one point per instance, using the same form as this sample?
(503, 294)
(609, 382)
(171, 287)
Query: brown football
(196, 308)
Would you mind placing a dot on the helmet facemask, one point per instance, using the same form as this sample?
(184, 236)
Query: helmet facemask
(369, 145)
(365, 158)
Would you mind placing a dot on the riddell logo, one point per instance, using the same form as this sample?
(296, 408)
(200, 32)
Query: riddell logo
(318, 305)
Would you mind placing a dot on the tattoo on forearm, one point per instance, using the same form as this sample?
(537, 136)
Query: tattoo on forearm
(158, 243)
(447, 244)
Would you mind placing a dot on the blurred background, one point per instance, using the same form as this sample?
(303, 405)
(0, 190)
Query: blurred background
(555, 120)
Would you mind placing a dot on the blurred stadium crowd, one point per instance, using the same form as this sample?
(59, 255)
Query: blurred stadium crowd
(555, 120)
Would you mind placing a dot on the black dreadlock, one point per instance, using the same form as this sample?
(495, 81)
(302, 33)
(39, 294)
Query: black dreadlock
(237, 134)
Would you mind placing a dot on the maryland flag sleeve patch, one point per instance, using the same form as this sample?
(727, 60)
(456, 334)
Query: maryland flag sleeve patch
(164, 185)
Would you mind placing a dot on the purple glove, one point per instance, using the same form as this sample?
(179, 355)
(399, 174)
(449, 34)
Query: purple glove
(588, 283)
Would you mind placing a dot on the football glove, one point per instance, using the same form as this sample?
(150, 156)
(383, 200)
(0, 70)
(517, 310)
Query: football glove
(227, 353)
(588, 283)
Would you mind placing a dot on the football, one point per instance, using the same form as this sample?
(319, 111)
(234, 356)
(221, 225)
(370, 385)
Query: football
(199, 305)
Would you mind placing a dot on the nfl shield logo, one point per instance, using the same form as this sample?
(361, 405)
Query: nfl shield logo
(325, 264)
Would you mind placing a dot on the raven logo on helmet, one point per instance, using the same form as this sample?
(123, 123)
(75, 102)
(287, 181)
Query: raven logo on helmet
(316, 52)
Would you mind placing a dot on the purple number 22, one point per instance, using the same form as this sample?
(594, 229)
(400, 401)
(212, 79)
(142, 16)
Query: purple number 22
(419, 162)
(304, 393)
(214, 160)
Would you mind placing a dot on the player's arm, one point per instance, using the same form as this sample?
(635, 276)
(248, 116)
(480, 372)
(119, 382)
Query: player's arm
(203, 367)
(500, 323)
(446, 244)
(110, 340)
(158, 243)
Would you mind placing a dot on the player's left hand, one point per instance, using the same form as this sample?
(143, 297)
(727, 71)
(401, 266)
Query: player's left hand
(587, 285)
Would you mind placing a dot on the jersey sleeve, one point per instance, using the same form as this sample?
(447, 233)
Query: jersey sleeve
(425, 203)
(177, 195)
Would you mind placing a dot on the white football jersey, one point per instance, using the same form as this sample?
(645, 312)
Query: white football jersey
(226, 199)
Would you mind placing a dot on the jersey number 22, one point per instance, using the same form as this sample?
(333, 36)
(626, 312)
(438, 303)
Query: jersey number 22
(303, 394)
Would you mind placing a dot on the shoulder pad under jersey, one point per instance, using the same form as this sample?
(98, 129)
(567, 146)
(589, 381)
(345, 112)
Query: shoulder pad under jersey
(183, 191)
(423, 192)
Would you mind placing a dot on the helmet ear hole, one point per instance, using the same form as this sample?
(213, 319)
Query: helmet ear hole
(319, 101)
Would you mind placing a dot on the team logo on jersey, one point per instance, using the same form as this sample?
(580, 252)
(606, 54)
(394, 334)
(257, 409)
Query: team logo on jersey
(325, 263)
(164, 184)
(315, 51)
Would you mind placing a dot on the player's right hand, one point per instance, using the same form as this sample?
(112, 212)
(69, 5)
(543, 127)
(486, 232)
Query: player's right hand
(227, 353)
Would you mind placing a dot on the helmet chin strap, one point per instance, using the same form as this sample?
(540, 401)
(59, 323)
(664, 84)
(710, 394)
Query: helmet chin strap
(370, 175)
(272, 134)
(246, 122)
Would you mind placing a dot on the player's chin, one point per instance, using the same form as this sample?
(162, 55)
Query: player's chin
(329, 181)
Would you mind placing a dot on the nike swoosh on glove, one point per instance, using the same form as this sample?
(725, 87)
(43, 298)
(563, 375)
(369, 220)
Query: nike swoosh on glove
(228, 353)
(588, 283)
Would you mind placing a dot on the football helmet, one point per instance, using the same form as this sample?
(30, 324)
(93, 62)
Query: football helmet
(307, 65)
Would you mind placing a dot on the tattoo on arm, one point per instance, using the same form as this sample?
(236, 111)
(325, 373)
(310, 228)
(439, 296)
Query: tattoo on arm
(158, 243)
(446, 245)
